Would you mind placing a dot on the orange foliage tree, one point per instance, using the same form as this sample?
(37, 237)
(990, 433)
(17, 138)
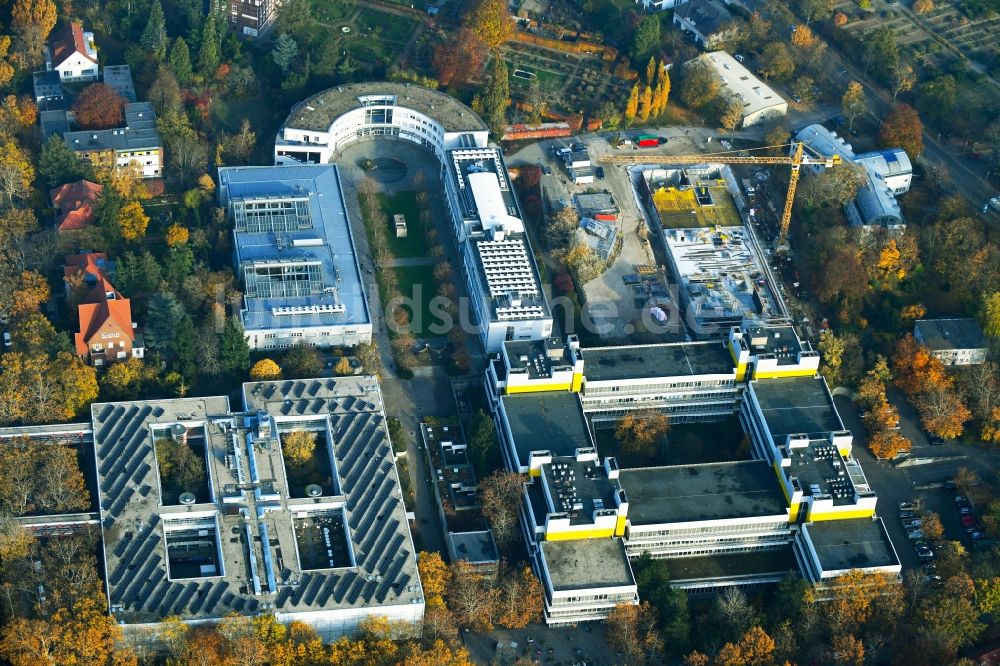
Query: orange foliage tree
(632, 630)
(99, 106)
(887, 444)
(640, 431)
(902, 128)
(756, 648)
(916, 370)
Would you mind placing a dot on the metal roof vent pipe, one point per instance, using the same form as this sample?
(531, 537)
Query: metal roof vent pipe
(178, 433)
(187, 498)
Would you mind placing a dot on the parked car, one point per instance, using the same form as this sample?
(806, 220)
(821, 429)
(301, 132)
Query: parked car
(965, 510)
(908, 506)
(907, 515)
(599, 172)
(925, 553)
(934, 440)
(739, 58)
(913, 524)
(969, 529)
(915, 534)
(976, 535)
(968, 520)
(797, 99)
(959, 499)
(6, 339)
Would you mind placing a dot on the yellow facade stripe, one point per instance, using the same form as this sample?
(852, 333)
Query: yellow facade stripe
(789, 372)
(620, 526)
(535, 471)
(573, 535)
(781, 481)
(793, 512)
(537, 388)
(577, 382)
(844, 452)
(841, 515)
(741, 371)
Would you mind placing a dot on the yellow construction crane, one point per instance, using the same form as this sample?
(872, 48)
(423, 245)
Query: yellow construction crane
(795, 159)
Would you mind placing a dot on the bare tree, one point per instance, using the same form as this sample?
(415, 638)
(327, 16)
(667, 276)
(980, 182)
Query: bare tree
(500, 495)
(735, 608)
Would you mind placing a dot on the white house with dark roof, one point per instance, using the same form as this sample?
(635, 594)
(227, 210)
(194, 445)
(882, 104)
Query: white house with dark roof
(72, 53)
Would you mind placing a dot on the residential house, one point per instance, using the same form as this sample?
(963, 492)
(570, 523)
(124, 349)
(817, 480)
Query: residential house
(707, 21)
(72, 53)
(92, 266)
(952, 341)
(107, 332)
(137, 142)
(252, 18)
(659, 5)
(75, 204)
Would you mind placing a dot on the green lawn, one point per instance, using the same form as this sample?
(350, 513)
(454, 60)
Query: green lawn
(390, 26)
(405, 203)
(417, 283)
(332, 12)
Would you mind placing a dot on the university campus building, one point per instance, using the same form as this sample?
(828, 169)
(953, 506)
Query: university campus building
(800, 502)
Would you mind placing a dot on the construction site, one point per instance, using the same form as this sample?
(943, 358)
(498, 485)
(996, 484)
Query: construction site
(693, 197)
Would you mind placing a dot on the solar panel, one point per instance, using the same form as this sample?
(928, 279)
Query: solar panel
(300, 590)
(301, 406)
(314, 387)
(330, 384)
(355, 591)
(122, 545)
(252, 604)
(285, 408)
(269, 391)
(283, 596)
(238, 603)
(318, 404)
(158, 412)
(200, 598)
(185, 597)
(286, 387)
(171, 598)
(105, 412)
(314, 585)
(215, 595)
(140, 474)
(299, 388)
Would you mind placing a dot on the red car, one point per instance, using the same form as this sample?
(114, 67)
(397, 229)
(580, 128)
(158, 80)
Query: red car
(968, 520)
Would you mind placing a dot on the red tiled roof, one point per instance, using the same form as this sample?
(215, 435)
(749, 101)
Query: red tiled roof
(97, 309)
(66, 41)
(76, 203)
(92, 263)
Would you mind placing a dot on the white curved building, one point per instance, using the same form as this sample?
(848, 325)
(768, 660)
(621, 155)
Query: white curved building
(318, 126)
(507, 301)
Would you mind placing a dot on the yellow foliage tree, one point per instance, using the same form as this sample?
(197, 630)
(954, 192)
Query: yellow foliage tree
(912, 312)
(640, 431)
(343, 367)
(889, 261)
(435, 577)
(133, 221)
(916, 371)
(804, 37)
(645, 104)
(176, 235)
(298, 445)
(632, 105)
(6, 70)
(265, 369)
(923, 6)
(438, 654)
(491, 21)
(888, 444)
(16, 173)
(33, 20)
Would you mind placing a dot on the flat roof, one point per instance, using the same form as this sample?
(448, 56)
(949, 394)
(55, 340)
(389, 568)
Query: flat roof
(857, 543)
(942, 334)
(138, 133)
(248, 544)
(796, 405)
(494, 228)
(713, 491)
(538, 358)
(737, 80)
(546, 422)
(476, 547)
(822, 472)
(727, 565)
(317, 113)
(573, 484)
(780, 341)
(324, 241)
(119, 78)
(655, 361)
(587, 563)
(722, 275)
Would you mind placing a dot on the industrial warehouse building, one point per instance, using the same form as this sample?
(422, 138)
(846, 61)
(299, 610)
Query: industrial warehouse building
(801, 502)
(761, 104)
(295, 257)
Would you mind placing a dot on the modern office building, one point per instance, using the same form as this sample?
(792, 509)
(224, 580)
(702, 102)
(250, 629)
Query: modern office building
(761, 104)
(244, 536)
(322, 124)
(505, 290)
(295, 257)
(585, 580)
(952, 341)
(826, 550)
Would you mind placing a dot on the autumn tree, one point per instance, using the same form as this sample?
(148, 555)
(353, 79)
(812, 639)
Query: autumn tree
(755, 648)
(632, 630)
(778, 62)
(916, 370)
(500, 496)
(133, 221)
(16, 174)
(632, 105)
(36, 389)
(496, 96)
(859, 596)
(298, 446)
(343, 367)
(841, 357)
(32, 21)
(887, 444)
(831, 187)
(902, 128)
(931, 525)
(265, 370)
(99, 106)
(458, 60)
(943, 413)
(471, 597)
(950, 611)
(853, 103)
(491, 21)
(700, 85)
(6, 70)
(645, 103)
(435, 577)
(518, 601)
(640, 431)
(989, 314)
(848, 650)
(903, 78)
